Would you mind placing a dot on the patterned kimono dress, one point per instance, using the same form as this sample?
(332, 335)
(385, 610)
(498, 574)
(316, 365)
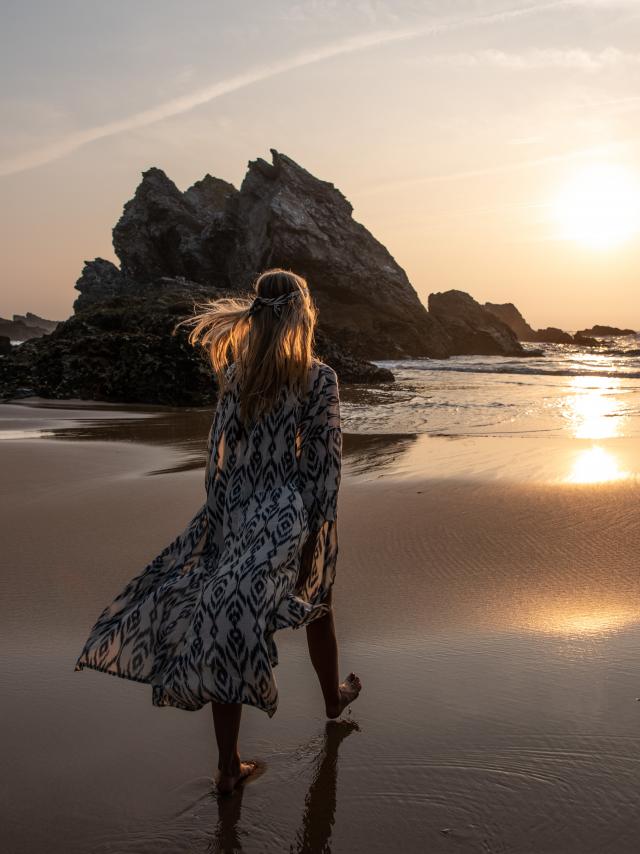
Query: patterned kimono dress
(197, 623)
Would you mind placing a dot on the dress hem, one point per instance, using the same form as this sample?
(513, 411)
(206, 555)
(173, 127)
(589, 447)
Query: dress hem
(156, 689)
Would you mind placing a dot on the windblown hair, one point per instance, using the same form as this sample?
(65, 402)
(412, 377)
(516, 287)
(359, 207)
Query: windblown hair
(270, 348)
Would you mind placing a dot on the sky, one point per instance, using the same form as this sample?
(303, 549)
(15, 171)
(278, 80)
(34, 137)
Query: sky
(491, 145)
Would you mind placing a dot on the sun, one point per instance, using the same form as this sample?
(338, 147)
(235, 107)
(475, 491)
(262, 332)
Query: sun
(599, 206)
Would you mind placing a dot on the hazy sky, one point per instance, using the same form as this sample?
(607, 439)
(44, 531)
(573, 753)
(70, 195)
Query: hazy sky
(487, 143)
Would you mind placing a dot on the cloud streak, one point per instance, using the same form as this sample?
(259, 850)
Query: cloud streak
(177, 106)
(532, 60)
(575, 154)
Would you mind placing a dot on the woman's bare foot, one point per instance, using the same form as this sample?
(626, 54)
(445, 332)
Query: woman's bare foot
(349, 690)
(227, 782)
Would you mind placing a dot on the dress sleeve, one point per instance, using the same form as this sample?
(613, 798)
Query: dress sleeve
(320, 450)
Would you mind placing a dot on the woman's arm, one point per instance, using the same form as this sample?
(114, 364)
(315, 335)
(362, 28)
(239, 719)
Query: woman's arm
(319, 463)
(320, 449)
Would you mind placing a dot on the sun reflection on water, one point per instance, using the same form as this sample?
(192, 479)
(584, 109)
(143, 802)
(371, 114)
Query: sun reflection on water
(595, 411)
(594, 408)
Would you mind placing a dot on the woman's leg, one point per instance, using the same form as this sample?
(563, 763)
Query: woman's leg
(323, 651)
(226, 722)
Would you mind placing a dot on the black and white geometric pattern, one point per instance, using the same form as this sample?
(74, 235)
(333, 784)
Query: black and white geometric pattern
(197, 623)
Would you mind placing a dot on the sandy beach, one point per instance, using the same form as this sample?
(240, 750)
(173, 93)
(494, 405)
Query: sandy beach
(488, 598)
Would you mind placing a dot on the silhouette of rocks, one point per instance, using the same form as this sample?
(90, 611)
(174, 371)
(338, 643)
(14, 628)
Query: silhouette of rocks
(509, 314)
(471, 328)
(22, 327)
(599, 331)
(178, 248)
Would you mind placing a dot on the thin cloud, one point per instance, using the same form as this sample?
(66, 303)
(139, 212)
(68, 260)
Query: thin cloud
(532, 60)
(595, 151)
(185, 103)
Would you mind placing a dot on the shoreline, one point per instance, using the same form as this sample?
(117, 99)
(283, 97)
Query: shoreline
(181, 434)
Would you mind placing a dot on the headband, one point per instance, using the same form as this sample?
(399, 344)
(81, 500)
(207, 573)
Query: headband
(276, 303)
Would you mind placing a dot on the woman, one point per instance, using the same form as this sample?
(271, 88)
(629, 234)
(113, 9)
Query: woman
(197, 623)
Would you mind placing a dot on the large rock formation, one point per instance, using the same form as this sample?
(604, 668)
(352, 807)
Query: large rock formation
(292, 219)
(180, 248)
(471, 328)
(282, 216)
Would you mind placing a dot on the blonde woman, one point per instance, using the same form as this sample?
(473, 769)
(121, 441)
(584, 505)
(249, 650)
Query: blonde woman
(198, 622)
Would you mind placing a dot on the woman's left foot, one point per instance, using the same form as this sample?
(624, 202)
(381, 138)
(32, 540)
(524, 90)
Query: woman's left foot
(228, 782)
(349, 690)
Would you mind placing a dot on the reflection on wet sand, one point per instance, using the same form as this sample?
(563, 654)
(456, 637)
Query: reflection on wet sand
(184, 430)
(597, 453)
(318, 818)
(596, 465)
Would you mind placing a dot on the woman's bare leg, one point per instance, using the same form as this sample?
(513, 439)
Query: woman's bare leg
(226, 722)
(323, 651)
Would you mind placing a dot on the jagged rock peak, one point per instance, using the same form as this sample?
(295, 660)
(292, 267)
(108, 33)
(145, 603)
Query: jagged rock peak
(210, 194)
(164, 232)
(286, 171)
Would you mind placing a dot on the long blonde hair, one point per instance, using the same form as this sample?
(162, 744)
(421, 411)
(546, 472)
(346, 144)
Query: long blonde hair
(271, 346)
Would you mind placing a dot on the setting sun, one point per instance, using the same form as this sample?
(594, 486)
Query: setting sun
(599, 206)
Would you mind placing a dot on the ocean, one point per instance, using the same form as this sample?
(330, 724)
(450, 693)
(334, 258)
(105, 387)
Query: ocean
(568, 391)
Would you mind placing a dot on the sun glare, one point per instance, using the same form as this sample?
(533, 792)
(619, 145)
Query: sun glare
(599, 206)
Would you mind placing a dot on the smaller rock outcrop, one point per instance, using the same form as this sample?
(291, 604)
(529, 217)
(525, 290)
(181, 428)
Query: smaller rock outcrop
(553, 335)
(471, 329)
(599, 331)
(23, 327)
(509, 314)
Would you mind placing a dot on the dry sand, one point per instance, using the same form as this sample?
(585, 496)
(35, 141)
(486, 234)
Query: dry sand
(494, 621)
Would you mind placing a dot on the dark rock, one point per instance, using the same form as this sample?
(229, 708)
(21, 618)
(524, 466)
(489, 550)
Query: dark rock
(23, 327)
(472, 329)
(100, 281)
(292, 219)
(553, 335)
(587, 341)
(178, 248)
(509, 314)
(163, 232)
(5, 345)
(599, 331)
(35, 321)
(120, 349)
(349, 368)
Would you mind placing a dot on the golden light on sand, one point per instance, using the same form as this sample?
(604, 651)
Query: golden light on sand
(596, 465)
(599, 206)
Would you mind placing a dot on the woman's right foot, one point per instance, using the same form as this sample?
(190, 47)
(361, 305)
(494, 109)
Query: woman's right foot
(227, 782)
(348, 691)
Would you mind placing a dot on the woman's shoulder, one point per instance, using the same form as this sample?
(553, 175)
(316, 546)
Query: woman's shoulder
(321, 368)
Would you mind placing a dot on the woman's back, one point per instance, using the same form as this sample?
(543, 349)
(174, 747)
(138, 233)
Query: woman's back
(260, 554)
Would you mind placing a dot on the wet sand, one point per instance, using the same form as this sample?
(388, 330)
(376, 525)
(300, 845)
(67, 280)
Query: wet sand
(489, 602)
